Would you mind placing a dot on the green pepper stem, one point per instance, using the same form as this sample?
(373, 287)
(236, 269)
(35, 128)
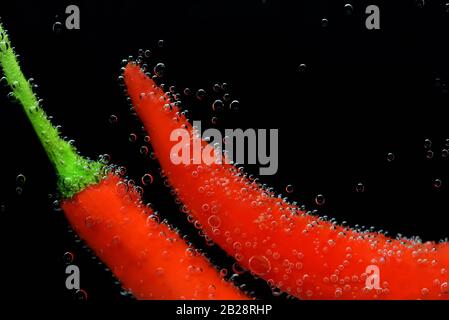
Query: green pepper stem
(74, 171)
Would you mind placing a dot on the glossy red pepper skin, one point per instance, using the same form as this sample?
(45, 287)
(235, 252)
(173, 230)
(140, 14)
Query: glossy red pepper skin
(299, 253)
(149, 258)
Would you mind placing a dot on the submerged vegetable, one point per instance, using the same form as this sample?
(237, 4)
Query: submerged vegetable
(149, 258)
(299, 253)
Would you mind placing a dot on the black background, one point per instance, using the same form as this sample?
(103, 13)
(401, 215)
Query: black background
(363, 94)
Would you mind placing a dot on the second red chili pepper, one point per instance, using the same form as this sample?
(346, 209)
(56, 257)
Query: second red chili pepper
(299, 253)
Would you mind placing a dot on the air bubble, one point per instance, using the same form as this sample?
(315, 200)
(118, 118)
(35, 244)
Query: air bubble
(348, 9)
(201, 94)
(19, 191)
(144, 150)
(302, 67)
(20, 179)
(57, 27)
(444, 287)
(216, 87)
(113, 119)
(56, 206)
(223, 272)
(161, 43)
(217, 105)
(289, 188)
(81, 294)
(437, 183)
(234, 105)
(320, 200)
(360, 187)
(260, 265)
(390, 157)
(338, 292)
(147, 179)
(190, 252)
(237, 269)
(152, 221)
(132, 137)
(214, 221)
(427, 143)
(68, 257)
(105, 158)
(159, 69)
(276, 292)
(324, 22)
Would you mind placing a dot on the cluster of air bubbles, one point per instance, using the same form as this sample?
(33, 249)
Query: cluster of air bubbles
(20, 182)
(105, 158)
(427, 149)
(217, 98)
(420, 3)
(429, 153)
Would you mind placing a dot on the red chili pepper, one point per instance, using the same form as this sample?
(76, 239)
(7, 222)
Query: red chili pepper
(149, 258)
(299, 253)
